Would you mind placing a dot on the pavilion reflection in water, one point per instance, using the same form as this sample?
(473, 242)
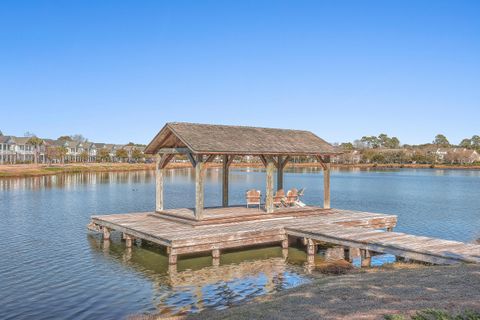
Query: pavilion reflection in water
(195, 283)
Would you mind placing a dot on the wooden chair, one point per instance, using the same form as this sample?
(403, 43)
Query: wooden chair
(278, 198)
(253, 197)
(291, 198)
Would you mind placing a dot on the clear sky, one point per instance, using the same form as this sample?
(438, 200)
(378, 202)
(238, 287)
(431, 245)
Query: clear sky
(116, 71)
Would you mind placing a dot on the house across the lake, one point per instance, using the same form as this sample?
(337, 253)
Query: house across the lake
(15, 150)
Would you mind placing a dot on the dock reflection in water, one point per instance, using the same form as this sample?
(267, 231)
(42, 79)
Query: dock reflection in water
(196, 283)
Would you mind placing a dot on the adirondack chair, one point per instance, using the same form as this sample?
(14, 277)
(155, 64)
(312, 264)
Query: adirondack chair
(253, 197)
(278, 198)
(291, 198)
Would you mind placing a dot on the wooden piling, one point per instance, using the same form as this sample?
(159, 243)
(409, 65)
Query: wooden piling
(311, 247)
(128, 240)
(106, 233)
(366, 258)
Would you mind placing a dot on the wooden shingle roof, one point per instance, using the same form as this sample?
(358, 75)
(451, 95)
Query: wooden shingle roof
(238, 140)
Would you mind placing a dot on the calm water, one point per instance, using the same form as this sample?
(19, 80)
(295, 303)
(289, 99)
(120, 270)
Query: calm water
(51, 267)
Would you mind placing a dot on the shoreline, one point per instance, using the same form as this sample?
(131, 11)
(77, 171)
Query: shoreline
(370, 294)
(32, 170)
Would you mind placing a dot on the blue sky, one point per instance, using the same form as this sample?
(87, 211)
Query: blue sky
(116, 71)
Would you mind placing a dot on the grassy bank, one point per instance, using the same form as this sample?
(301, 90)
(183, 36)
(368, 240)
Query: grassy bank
(31, 170)
(379, 293)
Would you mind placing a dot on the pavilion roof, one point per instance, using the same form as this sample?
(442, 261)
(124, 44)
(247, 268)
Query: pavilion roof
(238, 140)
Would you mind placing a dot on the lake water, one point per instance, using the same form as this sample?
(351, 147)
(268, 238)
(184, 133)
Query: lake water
(52, 268)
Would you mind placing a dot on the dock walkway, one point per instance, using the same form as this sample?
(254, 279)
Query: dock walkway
(419, 248)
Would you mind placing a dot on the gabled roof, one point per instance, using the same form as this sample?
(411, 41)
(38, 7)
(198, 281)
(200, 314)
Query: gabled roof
(238, 140)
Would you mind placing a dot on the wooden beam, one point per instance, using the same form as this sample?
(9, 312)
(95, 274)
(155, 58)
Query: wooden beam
(165, 160)
(230, 159)
(225, 174)
(264, 160)
(192, 159)
(199, 187)
(269, 186)
(174, 150)
(210, 158)
(285, 161)
(321, 161)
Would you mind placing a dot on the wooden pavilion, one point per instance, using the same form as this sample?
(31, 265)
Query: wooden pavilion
(202, 143)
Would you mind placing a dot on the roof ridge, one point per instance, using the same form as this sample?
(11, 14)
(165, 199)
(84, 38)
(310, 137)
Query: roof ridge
(235, 126)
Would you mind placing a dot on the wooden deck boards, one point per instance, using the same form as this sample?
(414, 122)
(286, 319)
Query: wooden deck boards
(234, 227)
(409, 246)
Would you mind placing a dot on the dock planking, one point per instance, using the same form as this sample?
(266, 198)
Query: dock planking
(237, 227)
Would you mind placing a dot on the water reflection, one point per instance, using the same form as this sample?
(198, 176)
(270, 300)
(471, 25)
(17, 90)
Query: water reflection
(197, 283)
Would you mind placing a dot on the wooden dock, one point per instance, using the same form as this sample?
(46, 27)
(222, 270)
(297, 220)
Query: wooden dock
(237, 227)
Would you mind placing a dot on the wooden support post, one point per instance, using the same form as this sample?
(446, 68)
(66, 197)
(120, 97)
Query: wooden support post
(199, 186)
(366, 258)
(346, 254)
(225, 180)
(216, 253)
(269, 184)
(280, 173)
(311, 247)
(389, 229)
(285, 244)
(106, 233)
(326, 183)
(128, 240)
(172, 256)
(158, 186)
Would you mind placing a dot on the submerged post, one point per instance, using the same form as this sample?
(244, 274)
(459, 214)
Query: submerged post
(326, 182)
(269, 186)
(199, 186)
(225, 180)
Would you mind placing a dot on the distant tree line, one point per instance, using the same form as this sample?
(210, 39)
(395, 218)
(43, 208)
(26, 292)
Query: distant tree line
(385, 149)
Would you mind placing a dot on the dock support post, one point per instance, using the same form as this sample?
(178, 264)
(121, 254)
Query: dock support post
(216, 253)
(199, 186)
(172, 257)
(366, 258)
(326, 183)
(347, 254)
(106, 233)
(226, 166)
(311, 247)
(285, 244)
(216, 257)
(389, 229)
(128, 240)
(269, 185)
